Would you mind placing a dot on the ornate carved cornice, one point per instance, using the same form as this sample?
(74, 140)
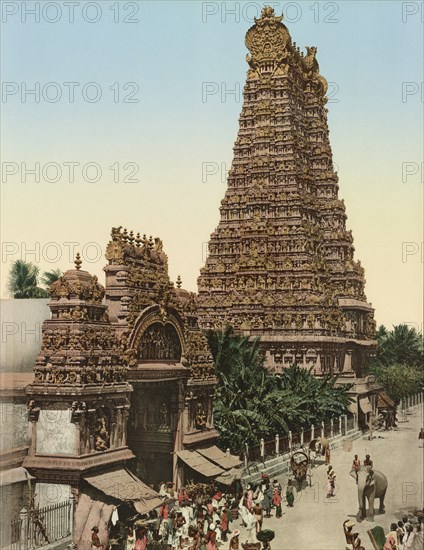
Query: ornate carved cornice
(80, 464)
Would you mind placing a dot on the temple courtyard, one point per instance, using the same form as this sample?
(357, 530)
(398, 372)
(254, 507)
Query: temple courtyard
(315, 522)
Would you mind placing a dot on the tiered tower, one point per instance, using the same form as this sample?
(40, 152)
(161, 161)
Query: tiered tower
(80, 399)
(280, 262)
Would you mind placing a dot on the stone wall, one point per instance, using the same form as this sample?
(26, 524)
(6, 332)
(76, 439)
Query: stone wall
(14, 430)
(56, 435)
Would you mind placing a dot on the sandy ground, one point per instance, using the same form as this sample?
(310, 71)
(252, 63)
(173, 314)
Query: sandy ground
(315, 522)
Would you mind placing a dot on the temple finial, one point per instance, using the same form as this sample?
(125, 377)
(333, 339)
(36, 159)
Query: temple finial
(179, 282)
(78, 261)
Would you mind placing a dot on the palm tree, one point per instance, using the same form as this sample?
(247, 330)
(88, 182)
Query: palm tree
(253, 403)
(50, 277)
(402, 345)
(381, 334)
(23, 281)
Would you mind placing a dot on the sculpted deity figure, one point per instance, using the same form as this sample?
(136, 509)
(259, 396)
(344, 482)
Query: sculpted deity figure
(201, 419)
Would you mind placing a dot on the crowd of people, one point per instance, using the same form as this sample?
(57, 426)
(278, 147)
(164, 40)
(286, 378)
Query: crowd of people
(200, 517)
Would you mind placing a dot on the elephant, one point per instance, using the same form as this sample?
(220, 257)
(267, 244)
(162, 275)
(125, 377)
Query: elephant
(371, 484)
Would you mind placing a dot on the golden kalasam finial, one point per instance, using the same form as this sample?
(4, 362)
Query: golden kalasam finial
(78, 261)
(267, 11)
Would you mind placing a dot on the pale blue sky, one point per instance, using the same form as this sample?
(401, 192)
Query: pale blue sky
(368, 51)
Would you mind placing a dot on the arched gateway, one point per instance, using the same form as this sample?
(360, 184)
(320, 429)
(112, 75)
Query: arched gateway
(123, 385)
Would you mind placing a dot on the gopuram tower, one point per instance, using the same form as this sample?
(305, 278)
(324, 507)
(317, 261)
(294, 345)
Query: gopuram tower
(281, 261)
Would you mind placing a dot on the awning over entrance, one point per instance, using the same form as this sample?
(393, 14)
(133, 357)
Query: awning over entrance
(220, 458)
(104, 492)
(211, 462)
(384, 401)
(123, 486)
(365, 405)
(15, 475)
(227, 478)
(200, 464)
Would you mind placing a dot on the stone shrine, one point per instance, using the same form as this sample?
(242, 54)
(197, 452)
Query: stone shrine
(281, 261)
(123, 385)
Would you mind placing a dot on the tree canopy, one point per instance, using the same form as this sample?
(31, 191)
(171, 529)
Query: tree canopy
(253, 403)
(398, 366)
(24, 278)
(400, 381)
(401, 345)
(50, 277)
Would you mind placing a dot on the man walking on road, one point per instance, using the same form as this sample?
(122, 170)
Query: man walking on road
(368, 461)
(356, 466)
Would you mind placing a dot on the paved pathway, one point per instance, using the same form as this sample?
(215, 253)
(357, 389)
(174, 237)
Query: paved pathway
(315, 522)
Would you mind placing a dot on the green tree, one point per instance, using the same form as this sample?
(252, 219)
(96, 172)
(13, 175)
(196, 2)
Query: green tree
(381, 333)
(253, 403)
(402, 345)
(23, 281)
(400, 381)
(242, 383)
(321, 398)
(50, 277)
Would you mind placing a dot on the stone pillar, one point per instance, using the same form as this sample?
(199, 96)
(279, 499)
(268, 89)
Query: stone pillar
(290, 441)
(179, 432)
(345, 423)
(332, 428)
(119, 427)
(312, 432)
(186, 419)
(125, 415)
(262, 448)
(211, 410)
(277, 444)
(340, 425)
(77, 438)
(322, 429)
(31, 450)
(23, 516)
(318, 369)
(113, 429)
(71, 512)
(92, 425)
(334, 367)
(74, 499)
(33, 414)
(246, 454)
(347, 365)
(301, 437)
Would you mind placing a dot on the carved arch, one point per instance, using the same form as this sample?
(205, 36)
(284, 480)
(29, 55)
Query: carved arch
(170, 322)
